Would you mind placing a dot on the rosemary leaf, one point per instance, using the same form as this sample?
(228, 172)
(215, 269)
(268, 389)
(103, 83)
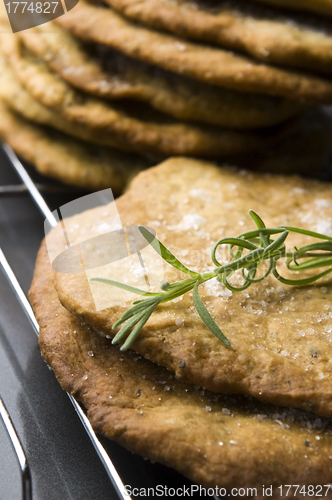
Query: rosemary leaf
(180, 290)
(256, 218)
(138, 328)
(127, 327)
(232, 242)
(311, 264)
(306, 232)
(264, 239)
(164, 252)
(305, 281)
(206, 316)
(256, 233)
(275, 245)
(248, 277)
(124, 286)
(241, 288)
(135, 309)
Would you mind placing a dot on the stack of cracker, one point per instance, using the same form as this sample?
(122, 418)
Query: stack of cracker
(106, 90)
(253, 414)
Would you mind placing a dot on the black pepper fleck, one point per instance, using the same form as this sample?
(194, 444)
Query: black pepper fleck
(182, 363)
(313, 353)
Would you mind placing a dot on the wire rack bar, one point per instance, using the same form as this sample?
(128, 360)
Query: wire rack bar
(39, 200)
(25, 471)
(10, 189)
(26, 179)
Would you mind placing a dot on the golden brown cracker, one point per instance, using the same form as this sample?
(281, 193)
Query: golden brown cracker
(126, 78)
(68, 160)
(215, 440)
(19, 100)
(202, 62)
(280, 335)
(112, 125)
(303, 145)
(264, 33)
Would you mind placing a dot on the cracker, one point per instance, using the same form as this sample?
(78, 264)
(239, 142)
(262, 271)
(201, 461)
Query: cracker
(111, 125)
(265, 34)
(281, 335)
(19, 100)
(176, 95)
(304, 146)
(213, 440)
(201, 62)
(68, 160)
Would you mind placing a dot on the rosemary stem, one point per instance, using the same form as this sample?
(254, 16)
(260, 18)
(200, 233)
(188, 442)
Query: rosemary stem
(260, 247)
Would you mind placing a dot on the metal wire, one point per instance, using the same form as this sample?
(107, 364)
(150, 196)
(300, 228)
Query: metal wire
(13, 189)
(25, 177)
(25, 471)
(39, 200)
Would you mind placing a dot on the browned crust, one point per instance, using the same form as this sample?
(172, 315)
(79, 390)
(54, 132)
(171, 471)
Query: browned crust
(266, 34)
(184, 98)
(201, 62)
(144, 408)
(274, 329)
(303, 147)
(110, 125)
(68, 160)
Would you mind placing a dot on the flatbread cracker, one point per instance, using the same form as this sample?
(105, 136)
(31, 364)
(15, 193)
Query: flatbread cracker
(68, 160)
(184, 98)
(320, 6)
(265, 34)
(19, 100)
(113, 125)
(280, 335)
(201, 62)
(212, 439)
(304, 146)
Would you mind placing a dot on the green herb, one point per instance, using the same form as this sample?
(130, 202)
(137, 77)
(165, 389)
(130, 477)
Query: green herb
(262, 244)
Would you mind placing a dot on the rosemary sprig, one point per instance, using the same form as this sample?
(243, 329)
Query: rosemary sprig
(262, 244)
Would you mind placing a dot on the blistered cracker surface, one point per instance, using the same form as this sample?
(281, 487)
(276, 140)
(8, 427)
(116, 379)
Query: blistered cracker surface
(212, 439)
(173, 94)
(68, 160)
(198, 61)
(280, 335)
(266, 34)
(108, 124)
